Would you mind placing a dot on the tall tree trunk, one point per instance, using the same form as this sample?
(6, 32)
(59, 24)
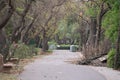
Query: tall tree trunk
(80, 45)
(92, 35)
(103, 11)
(57, 38)
(98, 34)
(45, 45)
(44, 42)
(81, 42)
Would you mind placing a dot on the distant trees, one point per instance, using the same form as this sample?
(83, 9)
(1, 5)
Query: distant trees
(73, 27)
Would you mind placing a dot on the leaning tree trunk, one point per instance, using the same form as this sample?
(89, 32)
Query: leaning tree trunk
(7, 16)
(16, 35)
(103, 11)
(27, 30)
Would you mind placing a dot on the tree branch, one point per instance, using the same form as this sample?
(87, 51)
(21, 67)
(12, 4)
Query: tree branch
(7, 16)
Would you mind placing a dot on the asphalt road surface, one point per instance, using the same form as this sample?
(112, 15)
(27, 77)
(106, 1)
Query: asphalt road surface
(55, 67)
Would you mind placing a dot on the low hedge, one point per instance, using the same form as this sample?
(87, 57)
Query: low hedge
(63, 47)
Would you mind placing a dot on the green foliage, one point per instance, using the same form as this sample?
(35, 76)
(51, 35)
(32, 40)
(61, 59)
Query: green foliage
(33, 50)
(62, 29)
(111, 25)
(29, 17)
(52, 42)
(111, 21)
(91, 10)
(19, 9)
(64, 47)
(68, 27)
(22, 51)
(71, 19)
(9, 29)
(110, 61)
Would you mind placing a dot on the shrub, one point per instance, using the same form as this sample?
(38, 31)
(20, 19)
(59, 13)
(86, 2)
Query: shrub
(22, 51)
(110, 61)
(34, 50)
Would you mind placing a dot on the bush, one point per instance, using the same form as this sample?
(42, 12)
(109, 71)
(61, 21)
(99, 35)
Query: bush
(110, 61)
(22, 51)
(33, 50)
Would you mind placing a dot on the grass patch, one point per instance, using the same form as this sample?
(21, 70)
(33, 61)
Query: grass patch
(4, 76)
(16, 70)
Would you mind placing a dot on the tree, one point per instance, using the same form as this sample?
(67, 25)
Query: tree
(47, 20)
(22, 19)
(104, 8)
(111, 26)
(6, 17)
(15, 17)
(6, 12)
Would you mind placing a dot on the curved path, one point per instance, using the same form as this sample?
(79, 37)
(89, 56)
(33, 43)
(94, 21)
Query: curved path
(55, 67)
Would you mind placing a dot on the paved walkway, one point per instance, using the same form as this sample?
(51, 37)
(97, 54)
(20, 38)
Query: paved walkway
(55, 67)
